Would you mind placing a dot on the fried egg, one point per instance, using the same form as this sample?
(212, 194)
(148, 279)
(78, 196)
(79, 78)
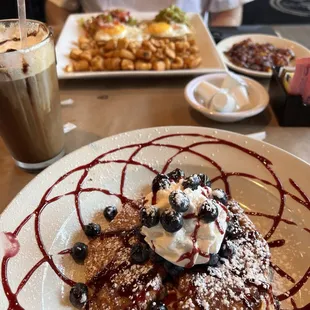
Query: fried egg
(111, 31)
(165, 30)
(136, 34)
(120, 31)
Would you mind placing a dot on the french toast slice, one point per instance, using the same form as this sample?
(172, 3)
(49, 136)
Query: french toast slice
(115, 281)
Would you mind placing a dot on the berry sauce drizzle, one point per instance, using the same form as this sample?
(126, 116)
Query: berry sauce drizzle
(105, 276)
(65, 252)
(194, 251)
(191, 255)
(47, 258)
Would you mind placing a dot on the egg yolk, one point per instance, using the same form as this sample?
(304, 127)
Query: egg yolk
(112, 30)
(158, 28)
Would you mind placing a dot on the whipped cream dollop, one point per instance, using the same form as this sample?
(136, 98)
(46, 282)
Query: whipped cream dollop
(10, 36)
(197, 239)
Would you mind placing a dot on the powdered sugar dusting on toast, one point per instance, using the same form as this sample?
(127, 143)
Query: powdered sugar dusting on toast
(241, 281)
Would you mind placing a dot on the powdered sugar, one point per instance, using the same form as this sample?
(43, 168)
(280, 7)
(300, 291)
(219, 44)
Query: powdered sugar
(245, 274)
(238, 281)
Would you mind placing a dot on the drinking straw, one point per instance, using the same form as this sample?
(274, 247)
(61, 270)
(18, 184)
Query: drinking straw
(22, 22)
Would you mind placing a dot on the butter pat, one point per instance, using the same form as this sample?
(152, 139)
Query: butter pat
(206, 91)
(240, 93)
(223, 102)
(232, 80)
(237, 88)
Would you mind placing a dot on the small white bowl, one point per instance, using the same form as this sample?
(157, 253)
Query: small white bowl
(258, 96)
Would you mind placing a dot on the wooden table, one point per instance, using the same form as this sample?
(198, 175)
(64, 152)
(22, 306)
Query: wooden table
(106, 107)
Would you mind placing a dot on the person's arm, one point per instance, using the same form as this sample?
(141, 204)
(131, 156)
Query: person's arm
(230, 18)
(55, 16)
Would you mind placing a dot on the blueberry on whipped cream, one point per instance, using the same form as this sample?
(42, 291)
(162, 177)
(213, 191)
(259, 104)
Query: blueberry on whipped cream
(192, 182)
(179, 201)
(219, 195)
(176, 175)
(149, 216)
(171, 220)
(204, 180)
(161, 181)
(192, 222)
(208, 211)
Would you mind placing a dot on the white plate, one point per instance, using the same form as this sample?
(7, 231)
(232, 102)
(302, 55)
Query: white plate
(211, 60)
(226, 44)
(59, 226)
(259, 98)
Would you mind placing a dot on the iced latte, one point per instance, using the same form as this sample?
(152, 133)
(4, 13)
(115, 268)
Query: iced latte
(30, 120)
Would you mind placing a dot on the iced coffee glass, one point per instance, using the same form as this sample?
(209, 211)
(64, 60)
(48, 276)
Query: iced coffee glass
(30, 116)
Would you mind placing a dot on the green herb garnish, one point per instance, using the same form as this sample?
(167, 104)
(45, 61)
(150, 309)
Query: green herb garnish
(172, 14)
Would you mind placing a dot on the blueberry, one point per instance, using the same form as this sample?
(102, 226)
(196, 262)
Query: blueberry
(214, 260)
(139, 253)
(171, 220)
(157, 305)
(220, 196)
(92, 230)
(79, 252)
(208, 211)
(176, 175)
(149, 216)
(161, 181)
(227, 250)
(155, 258)
(252, 234)
(179, 201)
(192, 182)
(204, 180)
(276, 303)
(173, 270)
(79, 295)
(233, 230)
(110, 213)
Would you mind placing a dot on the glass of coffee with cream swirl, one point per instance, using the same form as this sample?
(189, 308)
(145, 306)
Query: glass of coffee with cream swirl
(30, 116)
